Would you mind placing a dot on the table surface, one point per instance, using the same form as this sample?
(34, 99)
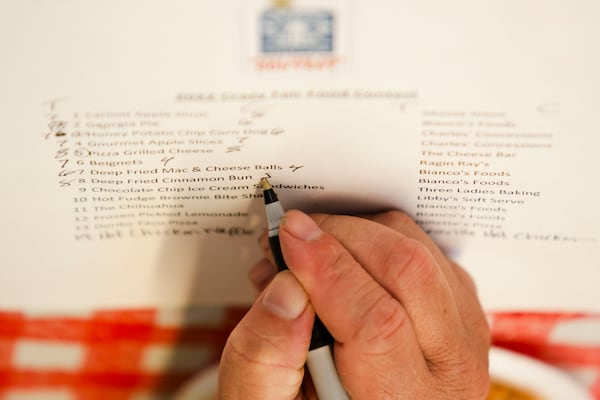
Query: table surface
(150, 353)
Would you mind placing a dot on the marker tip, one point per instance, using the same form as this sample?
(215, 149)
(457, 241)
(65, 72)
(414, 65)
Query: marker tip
(265, 184)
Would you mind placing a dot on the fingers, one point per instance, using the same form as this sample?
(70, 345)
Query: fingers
(265, 354)
(372, 327)
(463, 287)
(401, 311)
(404, 224)
(467, 339)
(331, 276)
(410, 273)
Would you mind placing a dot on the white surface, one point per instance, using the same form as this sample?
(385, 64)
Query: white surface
(541, 379)
(52, 355)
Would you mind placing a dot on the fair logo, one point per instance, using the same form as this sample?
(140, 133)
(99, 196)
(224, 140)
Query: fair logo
(296, 37)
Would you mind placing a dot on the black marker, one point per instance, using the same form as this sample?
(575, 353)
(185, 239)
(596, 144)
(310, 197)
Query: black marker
(319, 361)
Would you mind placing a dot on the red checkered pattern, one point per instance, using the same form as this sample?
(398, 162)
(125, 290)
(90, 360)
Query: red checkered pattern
(108, 355)
(145, 354)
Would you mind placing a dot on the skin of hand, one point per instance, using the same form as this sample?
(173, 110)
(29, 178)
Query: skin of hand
(406, 320)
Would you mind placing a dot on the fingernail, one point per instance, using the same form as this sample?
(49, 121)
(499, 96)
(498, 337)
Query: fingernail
(261, 273)
(301, 226)
(285, 297)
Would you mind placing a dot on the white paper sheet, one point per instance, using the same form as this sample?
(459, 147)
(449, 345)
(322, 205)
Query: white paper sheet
(135, 133)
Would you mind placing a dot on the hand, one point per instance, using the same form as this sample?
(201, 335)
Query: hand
(406, 320)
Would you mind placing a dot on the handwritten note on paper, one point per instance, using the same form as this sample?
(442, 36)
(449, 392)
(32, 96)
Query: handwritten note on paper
(134, 174)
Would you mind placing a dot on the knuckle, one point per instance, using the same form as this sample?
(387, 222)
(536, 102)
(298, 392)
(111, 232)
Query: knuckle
(464, 277)
(254, 347)
(383, 319)
(245, 363)
(246, 352)
(409, 260)
(464, 375)
(334, 261)
(325, 221)
(396, 219)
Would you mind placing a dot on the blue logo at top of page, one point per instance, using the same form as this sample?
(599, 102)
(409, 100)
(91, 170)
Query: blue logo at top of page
(294, 31)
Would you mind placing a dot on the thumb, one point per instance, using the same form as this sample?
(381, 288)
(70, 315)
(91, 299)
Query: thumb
(265, 354)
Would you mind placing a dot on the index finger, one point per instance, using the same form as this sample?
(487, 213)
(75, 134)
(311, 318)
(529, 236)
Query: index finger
(409, 271)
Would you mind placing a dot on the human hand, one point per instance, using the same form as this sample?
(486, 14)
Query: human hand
(406, 320)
